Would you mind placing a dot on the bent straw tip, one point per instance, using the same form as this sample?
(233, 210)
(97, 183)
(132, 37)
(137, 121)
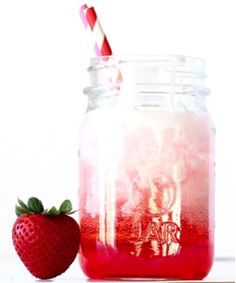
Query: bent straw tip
(83, 9)
(84, 6)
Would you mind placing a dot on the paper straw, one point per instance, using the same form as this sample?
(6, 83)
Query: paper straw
(101, 46)
(89, 18)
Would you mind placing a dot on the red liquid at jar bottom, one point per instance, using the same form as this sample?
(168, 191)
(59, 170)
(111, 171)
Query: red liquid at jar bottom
(132, 256)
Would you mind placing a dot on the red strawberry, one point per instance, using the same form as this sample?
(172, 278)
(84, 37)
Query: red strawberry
(47, 241)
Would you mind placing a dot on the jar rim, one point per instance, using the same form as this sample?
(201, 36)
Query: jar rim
(180, 60)
(160, 73)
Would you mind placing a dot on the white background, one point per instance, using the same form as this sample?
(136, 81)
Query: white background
(44, 53)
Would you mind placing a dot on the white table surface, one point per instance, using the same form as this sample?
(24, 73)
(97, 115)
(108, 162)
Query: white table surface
(12, 270)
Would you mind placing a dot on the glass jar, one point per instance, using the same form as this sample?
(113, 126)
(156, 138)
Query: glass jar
(146, 170)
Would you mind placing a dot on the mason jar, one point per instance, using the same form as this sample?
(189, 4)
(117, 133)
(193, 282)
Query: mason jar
(146, 160)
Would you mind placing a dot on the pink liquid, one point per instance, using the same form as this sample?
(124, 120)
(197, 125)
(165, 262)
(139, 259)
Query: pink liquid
(99, 260)
(146, 199)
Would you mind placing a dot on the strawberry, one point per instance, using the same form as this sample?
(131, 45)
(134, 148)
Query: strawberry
(47, 241)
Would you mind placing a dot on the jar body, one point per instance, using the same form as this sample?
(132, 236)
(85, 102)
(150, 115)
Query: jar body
(146, 193)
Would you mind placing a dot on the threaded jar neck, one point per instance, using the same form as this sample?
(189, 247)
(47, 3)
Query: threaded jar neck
(180, 72)
(146, 77)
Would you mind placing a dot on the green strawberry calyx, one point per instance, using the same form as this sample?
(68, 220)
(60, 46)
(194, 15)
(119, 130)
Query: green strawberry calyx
(35, 206)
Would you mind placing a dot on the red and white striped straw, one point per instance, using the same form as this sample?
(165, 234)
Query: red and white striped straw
(102, 46)
(89, 18)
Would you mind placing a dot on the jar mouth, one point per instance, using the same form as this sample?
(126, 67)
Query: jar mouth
(160, 74)
(187, 64)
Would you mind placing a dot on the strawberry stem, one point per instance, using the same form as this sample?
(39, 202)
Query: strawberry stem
(66, 206)
(35, 206)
